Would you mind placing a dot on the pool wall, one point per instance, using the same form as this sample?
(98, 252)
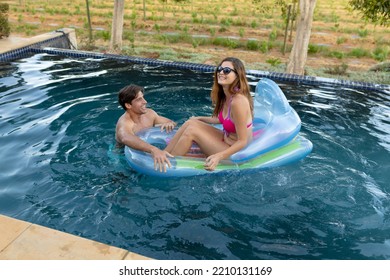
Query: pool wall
(63, 42)
(15, 48)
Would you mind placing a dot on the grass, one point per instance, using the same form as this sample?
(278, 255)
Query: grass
(241, 27)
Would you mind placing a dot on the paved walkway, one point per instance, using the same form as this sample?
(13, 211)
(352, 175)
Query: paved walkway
(13, 42)
(21, 240)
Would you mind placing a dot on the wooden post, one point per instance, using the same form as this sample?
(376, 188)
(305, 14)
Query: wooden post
(117, 25)
(292, 20)
(144, 10)
(286, 29)
(298, 55)
(89, 22)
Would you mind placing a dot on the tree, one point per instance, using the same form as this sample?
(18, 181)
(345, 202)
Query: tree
(298, 55)
(89, 22)
(144, 5)
(376, 11)
(117, 25)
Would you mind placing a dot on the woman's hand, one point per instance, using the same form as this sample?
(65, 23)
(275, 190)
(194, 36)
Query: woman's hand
(212, 161)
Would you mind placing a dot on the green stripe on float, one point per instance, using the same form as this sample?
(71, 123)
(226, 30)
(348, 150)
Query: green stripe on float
(184, 162)
(271, 155)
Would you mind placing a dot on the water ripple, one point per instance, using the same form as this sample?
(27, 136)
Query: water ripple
(59, 169)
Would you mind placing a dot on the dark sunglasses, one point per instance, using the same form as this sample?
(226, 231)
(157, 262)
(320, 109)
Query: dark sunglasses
(226, 70)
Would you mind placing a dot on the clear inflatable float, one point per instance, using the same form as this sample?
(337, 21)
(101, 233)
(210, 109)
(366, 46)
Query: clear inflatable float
(276, 141)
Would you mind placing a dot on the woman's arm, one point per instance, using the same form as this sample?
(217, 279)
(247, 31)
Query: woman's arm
(239, 114)
(210, 120)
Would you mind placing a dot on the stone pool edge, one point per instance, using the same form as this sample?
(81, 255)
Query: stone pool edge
(22, 240)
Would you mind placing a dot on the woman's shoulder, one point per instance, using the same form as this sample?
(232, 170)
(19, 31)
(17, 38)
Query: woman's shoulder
(240, 100)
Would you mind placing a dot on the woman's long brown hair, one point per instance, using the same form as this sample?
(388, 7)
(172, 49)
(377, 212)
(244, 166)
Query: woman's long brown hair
(239, 86)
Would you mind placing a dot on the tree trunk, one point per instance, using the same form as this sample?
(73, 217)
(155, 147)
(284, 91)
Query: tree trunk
(298, 55)
(117, 25)
(89, 23)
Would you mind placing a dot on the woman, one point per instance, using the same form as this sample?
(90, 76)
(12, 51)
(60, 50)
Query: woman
(233, 109)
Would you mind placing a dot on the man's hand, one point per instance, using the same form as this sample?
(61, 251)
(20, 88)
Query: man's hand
(168, 126)
(161, 159)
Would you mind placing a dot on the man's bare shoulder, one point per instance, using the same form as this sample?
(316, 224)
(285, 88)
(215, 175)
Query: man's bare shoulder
(124, 126)
(124, 120)
(151, 112)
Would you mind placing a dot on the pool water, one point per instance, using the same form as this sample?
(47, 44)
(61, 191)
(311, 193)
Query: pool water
(59, 168)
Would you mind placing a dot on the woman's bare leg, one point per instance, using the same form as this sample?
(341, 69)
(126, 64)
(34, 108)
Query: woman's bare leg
(176, 137)
(208, 138)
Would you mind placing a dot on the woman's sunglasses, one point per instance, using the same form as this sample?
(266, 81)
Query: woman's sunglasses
(226, 70)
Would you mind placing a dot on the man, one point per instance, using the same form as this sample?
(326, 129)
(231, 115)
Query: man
(136, 118)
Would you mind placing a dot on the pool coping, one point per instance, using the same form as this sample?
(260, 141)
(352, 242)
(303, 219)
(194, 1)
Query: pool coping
(63, 42)
(22, 240)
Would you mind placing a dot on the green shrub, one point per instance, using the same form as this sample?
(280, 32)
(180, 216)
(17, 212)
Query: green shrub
(226, 22)
(341, 40)
(359, 52)
(381, 67)
(254, 24)
(103, 34)
(363, 33)
(241, 31)
(4, 25)
(226, 42)
(313, 49)
(338, 70)
(273, 35)
(253, 45)
(212, 31)
(157, 27)
(195, 43)
(265, 46)
(273, 61)
(317, 49)
(130, 36)
(222, 29)
(337, 54)
(380, 53)
(234, 12)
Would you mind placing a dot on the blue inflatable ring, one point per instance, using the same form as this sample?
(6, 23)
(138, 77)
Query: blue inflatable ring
(275, 140)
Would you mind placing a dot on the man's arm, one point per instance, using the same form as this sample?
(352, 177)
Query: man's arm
(126, 136)
(164, 123)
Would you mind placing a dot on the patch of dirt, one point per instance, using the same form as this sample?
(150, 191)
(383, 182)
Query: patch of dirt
(154, 55)
(332, 35)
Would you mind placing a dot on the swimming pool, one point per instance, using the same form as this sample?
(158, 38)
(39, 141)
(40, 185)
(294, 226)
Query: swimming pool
(59, 168)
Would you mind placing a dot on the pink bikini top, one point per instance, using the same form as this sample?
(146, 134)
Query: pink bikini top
(228, 124)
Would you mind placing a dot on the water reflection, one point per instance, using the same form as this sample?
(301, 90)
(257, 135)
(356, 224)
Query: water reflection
(59, 169)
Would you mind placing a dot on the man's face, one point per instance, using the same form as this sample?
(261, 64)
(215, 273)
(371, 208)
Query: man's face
(138, 105)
